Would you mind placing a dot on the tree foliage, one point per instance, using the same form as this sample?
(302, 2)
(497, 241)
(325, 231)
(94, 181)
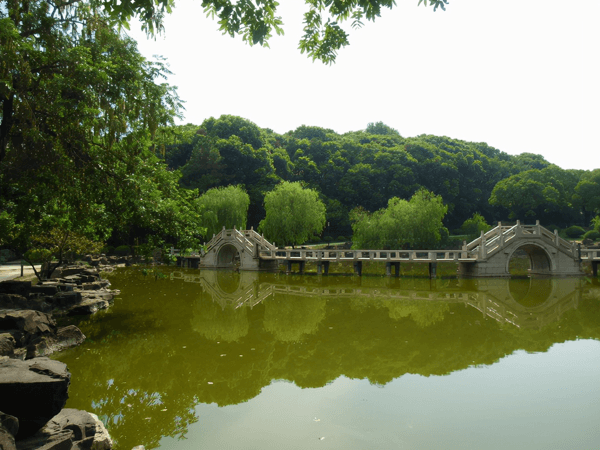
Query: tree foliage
(416, 223)
(57, 245)
(293, 214)
(80, 109)
(473, 226)
(224, 207)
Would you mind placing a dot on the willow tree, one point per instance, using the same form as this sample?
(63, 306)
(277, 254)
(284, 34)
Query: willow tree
(293, 214)
(415, 223)
(224, 207)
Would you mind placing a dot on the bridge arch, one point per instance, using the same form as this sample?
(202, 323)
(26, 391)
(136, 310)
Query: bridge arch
(228, 256)
(540, 261)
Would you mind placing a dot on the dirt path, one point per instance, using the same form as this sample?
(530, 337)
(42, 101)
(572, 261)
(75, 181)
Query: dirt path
(12, 270)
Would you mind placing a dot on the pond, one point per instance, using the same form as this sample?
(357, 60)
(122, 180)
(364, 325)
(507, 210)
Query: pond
(189, 359)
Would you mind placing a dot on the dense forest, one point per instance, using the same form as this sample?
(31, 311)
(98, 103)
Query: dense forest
(90, 153)
(366, 168)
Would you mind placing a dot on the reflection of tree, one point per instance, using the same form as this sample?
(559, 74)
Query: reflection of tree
(424, 313)
(290, 317)
(227, 324)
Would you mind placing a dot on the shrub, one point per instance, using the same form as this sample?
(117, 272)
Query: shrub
(574, 231)
(594, 235)
(123, 250)
(108, 250)
(328, 239)
(342, 238)
(314, 239)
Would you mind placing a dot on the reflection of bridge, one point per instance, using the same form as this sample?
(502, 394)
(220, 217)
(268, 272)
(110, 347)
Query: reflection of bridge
(487, 256)
(525, 303)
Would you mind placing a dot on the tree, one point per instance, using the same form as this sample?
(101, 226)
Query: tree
(293, 214)
(256, 21)
(587, 193)
(544, 194)
(416, 223)
(57, 245)
(474, 226)
(381, 128)
(224, 207)
(79, 112)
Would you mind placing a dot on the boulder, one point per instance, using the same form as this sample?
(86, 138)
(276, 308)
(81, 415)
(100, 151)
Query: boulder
(16, 301)
(7, 345)
(9, 425)
(92, 302)
(47, 440)
(45, 289)
(69, 336)
(62, 272)
(91, 286)
(71, 428)
(66, 299)
(33, 391)
(15, 287)
(27, 326)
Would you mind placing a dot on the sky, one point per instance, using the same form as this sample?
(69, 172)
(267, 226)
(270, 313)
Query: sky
(521, 76)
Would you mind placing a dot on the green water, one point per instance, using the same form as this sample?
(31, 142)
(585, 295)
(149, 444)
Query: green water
(222, 360)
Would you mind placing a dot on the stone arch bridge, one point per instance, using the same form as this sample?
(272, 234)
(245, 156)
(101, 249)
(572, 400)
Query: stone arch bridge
(487, 256)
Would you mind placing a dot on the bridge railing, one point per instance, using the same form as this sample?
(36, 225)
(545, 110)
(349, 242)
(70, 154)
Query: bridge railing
(590, 254)
(254, 236)
(246, 238)
(499, 236)
(365, 255)
(241, 238)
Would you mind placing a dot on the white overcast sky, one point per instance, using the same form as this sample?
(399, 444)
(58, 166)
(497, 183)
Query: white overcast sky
(522, 76)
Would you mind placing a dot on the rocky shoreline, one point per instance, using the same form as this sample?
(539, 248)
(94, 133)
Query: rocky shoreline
(34, 388)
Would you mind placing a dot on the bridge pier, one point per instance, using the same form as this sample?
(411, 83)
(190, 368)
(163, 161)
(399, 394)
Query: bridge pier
(388, 269)
(358, 268)
(322, 266)
(595, 268)
(432, 270)
(289, 263)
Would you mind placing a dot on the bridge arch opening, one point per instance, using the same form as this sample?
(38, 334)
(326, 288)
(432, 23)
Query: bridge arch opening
(228, 256)
(529, 259)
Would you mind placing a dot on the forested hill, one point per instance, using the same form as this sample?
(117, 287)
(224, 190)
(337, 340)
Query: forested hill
(367, 168)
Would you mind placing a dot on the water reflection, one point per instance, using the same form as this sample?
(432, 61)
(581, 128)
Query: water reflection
(529, 303)
(171, 343)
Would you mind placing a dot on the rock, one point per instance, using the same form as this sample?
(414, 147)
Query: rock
(16, 301)
(66, 299)
(15, 287)
(62, 272)
(91, 286)
(139, 447)
(48, 440)
(9, 426)
(71, 428)
(7, 345)
(27, 326)
(93, 301)
(66, 337)
(45, 289)
(102, 440)
(60, 287)
(33, 391)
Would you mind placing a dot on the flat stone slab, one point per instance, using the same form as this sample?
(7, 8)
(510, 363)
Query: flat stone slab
(33, 391)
